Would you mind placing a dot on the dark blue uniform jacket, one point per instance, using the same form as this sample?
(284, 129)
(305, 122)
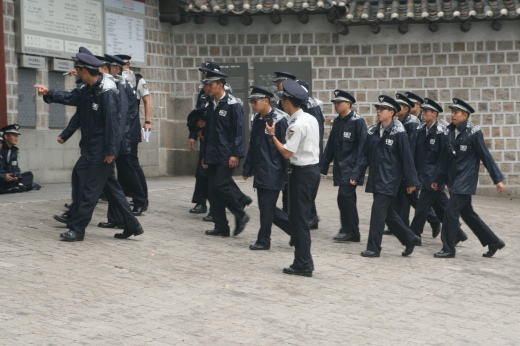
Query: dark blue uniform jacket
(428, 150)
(313, 108)
(224, 131)
(11, 165)
(345, 147)
(461, 158)
(389, 159)
(411, 123)
(263, 160)
(98, 115)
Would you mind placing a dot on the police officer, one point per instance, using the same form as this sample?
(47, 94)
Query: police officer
(265, 162)
(99, 119)
(139, 84)
(11, 178)
(224, 133)
(126, 173)
(459, 166)
(417, 104)
(303, 150)
(313, 107)
(345, 147)
(200, 192)
(387, 153)
(429, 145)
(279, 77)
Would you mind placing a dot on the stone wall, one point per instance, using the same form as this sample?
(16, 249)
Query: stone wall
(481, 66)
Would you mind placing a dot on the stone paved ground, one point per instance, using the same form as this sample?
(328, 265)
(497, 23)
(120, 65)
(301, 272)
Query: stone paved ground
(175, 286)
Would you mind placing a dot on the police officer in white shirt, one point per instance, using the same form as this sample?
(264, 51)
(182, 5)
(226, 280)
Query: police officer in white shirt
(302, 148)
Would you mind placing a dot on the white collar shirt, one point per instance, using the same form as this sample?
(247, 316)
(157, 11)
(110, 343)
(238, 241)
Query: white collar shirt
(303, 139)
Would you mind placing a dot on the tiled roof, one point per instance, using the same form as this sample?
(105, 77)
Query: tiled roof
(365, 11)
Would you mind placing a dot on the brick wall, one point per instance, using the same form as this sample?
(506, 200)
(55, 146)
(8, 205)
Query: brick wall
(481, 66)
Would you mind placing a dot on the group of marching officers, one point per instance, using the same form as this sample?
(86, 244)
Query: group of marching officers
(411, 155)
(107, 112)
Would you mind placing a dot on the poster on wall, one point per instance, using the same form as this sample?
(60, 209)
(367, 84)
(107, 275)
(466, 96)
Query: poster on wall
(56, 28)
(124, 28)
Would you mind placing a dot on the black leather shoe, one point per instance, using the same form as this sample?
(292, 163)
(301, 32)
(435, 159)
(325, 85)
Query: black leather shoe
(313, 223)
(296, 271)
(145, 208)
(493, 248)
(388, 232)
(126, 235)
(110, 225)
(63, 218)
(436, 229)
(461, 237)
(418, 240)
(199, 209)
(138, 211)
(409, 248)
(246, 201)
(241, 224)
(68, 205)
(217, 232)
(208, 218)
(369, 253)
(71, 236)
(344, 237)
(442, 254)
(256, 246)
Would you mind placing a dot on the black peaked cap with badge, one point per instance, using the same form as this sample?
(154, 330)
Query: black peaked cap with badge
(414, 97)
(126, 58)
(431, 104)
(294, 90)
(343, 96)
(87, 61)
(400, 98)
(387, 101)
(210, 66)
(281, 76)
(213, 76)
(260, 93)
(12, 128)
(115, 60)
(462, 105)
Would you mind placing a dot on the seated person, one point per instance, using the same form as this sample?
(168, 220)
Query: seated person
(11, 179)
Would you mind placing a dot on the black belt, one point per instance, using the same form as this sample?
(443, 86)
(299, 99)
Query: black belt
(301, 167)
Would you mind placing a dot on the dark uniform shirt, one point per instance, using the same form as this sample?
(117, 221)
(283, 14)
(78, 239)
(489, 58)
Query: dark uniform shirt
(429, 145)
(461, 158)
(9, 163)
(345, 147)
(410, 123)
(389, 158)
(224, 131)
(263, 160)
(313, 108)
(98, 115)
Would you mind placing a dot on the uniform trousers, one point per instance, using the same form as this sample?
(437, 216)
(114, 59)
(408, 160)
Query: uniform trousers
(460, 206)
(134, 160)
(347, 204)
(303, 187)
(428, 199)
(129, 179)
(223, 193)
(99, 178)
(200, 193)
(78, 177)
(383, 210)
(26, 179)
(267, 204)
(403, 203)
